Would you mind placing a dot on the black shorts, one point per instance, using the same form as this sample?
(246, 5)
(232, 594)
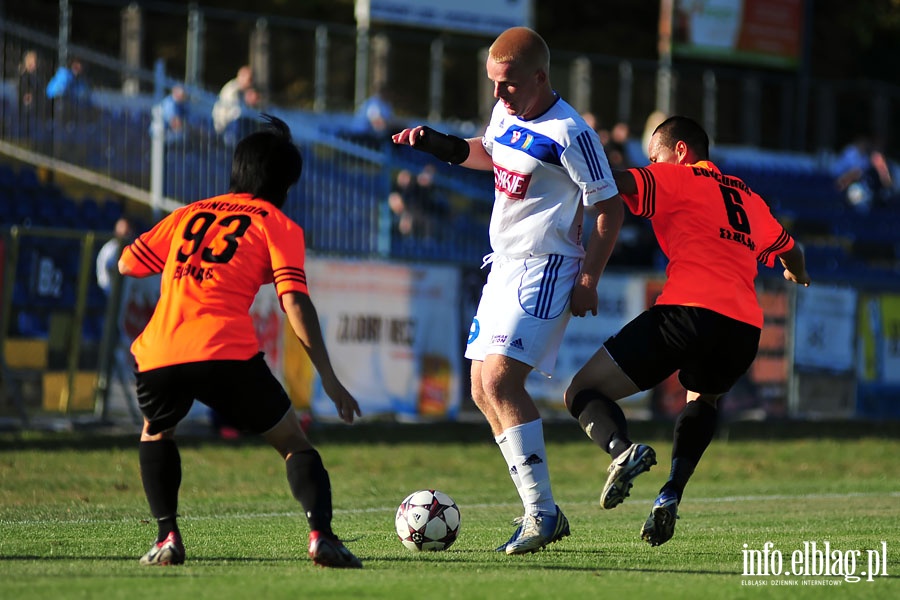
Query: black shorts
(711, 350)
(244, 392)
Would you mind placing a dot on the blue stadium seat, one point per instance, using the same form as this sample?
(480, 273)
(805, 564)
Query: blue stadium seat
(92, 327)
(33, 323)
(28, 179)
(110, 211)
(7, 212)
(89, 214)
(7, 177)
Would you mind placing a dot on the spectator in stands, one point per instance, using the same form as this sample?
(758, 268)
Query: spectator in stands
(120, 369)
(594, 123)
(861, 172)
(230, 103)
(616, 151)
(373, 120)
(253, 100)
(398, 200)
(108, 257)
(248, 120)
(32, 103)
(652, 122)
(68, 86)
(174, 109)
(416, 205)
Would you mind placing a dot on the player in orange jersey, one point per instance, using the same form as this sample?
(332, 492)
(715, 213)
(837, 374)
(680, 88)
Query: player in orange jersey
(706, 323)
(214, 255)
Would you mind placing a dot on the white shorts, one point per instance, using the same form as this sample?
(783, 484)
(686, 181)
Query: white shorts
(524, 310)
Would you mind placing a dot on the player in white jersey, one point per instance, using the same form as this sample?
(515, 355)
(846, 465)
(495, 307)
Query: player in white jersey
(549, 166)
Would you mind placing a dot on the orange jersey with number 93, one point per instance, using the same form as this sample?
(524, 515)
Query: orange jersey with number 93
(214, 255)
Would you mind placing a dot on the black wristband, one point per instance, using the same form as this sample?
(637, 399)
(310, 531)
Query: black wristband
(447, 148)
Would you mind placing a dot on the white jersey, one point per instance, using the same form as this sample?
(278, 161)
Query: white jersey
(545, 171)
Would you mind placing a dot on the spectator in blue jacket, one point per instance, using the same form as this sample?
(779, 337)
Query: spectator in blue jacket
(69, 82)
(174, 109)
(69, 91)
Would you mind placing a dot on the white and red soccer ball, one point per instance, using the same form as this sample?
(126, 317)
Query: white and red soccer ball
(427, 520)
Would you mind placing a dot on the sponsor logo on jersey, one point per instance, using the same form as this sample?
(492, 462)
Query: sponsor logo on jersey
(517, 344)
(225, 206)
(499, 339)
(516, 135)
(737, 236)
(732, 182)
(193, 272)
(513, 185)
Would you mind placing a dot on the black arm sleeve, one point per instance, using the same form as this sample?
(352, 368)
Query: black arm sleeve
(447, 148)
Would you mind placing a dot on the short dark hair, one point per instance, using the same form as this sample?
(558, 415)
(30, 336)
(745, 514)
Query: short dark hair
(266, 163)
(687, 130)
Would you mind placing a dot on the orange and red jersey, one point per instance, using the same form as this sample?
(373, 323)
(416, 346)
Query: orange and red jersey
(714, 230)
(214, 255)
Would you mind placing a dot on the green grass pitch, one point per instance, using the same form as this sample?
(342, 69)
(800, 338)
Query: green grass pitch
(73, 519)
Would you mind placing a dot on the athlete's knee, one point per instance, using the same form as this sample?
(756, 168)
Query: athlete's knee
(569, 396)
(166, 434)
(581, 383)
(709, 399)
(287, 436)
(577, 400)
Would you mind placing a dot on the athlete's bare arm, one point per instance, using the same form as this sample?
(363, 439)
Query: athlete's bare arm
(124, 269)
(609, 216)
(304, 320)
(625, 181)
(478, 159)
(794, 264)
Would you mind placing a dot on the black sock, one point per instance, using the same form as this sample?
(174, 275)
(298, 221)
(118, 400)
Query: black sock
(694, 430)
(161, 475)
(311, 487)
(602, 420)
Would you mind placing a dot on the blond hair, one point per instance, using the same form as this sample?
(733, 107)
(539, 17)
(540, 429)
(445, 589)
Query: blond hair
(521, 46)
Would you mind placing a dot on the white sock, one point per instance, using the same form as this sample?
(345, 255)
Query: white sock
(503, 444)
(528, 456)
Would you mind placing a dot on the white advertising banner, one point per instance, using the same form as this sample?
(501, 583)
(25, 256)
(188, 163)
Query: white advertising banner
(488, 17)
(621, 299)
(393, 333)
(825, 328)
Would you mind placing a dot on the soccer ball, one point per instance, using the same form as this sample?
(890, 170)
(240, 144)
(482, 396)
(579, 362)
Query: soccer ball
(427, 520)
